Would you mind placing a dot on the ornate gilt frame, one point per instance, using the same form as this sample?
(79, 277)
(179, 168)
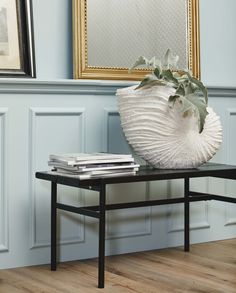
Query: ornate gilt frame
(81, 68)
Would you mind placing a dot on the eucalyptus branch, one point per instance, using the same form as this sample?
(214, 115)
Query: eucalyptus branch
(188, 88)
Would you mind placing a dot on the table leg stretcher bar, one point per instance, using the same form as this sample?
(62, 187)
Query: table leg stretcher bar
(90, 211)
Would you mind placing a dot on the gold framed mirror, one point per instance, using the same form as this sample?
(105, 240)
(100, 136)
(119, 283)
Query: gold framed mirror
(109, 35)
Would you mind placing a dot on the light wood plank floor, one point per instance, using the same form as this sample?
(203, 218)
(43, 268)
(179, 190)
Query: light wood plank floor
(209, 267)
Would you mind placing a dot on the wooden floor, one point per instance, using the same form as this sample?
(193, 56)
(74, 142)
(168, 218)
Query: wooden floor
(209, 267)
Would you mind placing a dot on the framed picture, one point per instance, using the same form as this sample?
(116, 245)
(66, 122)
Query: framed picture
(16, 39)
(109, 35)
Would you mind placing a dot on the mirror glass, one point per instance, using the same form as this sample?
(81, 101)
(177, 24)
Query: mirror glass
(132, 28)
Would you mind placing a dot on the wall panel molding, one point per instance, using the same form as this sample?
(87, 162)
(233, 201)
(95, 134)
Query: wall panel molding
(4, 225)
(62, 87)
(203, 224)
(221, 92)
(231, 112)
(108, 113)
(45, 112)
(193, 226)
(85, 87)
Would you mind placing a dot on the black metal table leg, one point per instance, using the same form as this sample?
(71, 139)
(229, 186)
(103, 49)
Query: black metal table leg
(102, 226)
(186, 214)
(53, 226)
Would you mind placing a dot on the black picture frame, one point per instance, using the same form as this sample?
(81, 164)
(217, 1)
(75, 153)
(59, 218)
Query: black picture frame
(17, 40)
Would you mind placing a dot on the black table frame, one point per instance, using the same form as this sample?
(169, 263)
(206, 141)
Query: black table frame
(145, 174)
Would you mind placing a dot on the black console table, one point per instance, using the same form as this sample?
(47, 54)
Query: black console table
(144, 174)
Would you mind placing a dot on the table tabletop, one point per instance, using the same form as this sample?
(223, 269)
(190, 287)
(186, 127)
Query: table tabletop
(145, 173)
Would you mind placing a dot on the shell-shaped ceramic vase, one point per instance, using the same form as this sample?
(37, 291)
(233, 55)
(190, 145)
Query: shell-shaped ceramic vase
(160, 134)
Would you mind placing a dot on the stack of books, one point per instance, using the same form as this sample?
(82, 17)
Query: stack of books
(85, 166)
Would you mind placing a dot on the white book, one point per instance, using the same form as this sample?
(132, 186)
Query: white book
(95, 172)
(87, 156)
(107, 172)
(93, 167)
(68, 162)
(114, 174)
(62, 166)
(111, 167)
(89, 176)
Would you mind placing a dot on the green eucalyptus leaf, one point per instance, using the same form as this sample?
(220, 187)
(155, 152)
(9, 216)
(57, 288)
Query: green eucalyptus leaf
(172, 100)
(180, 90)
(154, 62)
(147, 82)
(199, 85)
(187, 106)
(170, 61)
(168, 76)
(189, 88)
(157, 72)
(140, 61)
(144, 82)
(191, 103)
(200, 104)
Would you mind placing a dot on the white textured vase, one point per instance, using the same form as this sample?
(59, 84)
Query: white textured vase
(160, 134)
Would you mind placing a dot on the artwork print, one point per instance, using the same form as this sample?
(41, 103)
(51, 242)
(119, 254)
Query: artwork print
(4, 45)
(16, 39)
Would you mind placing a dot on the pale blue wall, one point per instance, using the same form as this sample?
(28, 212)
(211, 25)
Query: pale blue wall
(53, 40)
(218, 42)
